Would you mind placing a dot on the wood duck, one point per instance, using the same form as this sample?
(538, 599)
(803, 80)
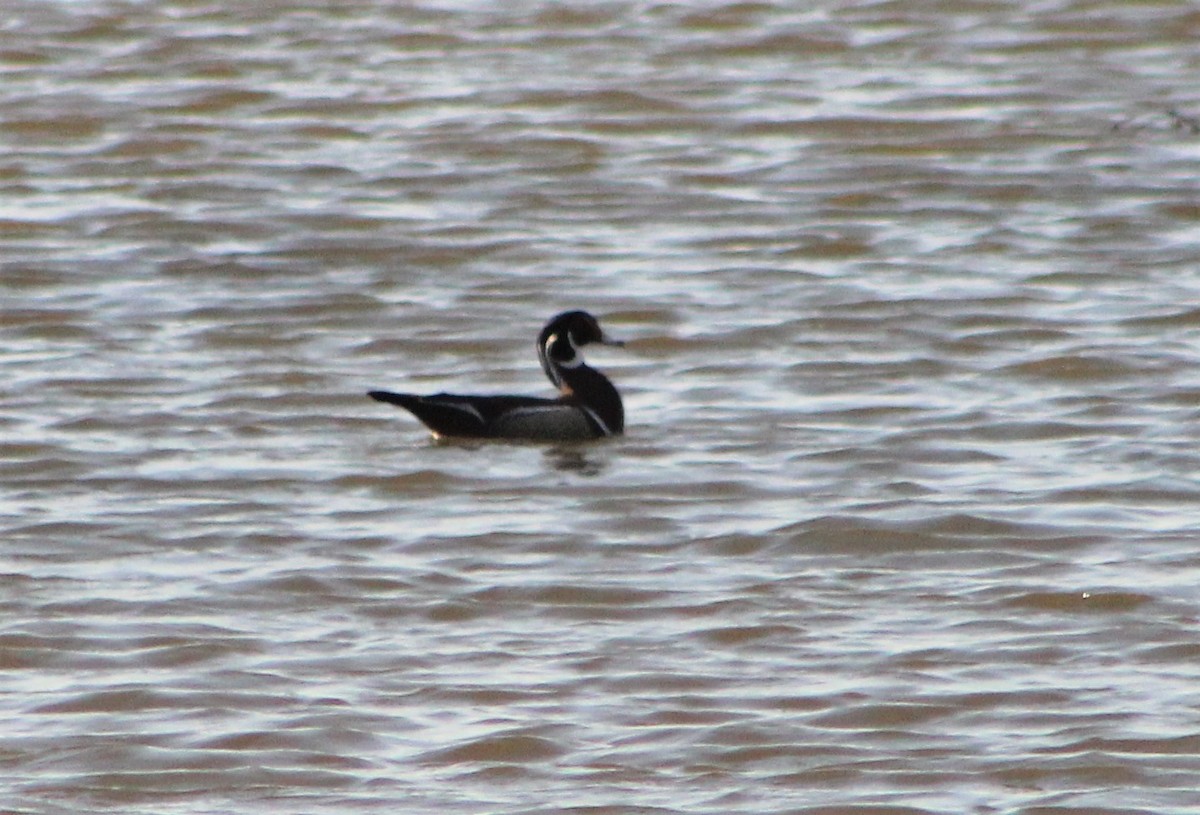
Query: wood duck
(588, 405)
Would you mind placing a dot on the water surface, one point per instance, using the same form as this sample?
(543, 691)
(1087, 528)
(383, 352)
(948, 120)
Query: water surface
(905, 517)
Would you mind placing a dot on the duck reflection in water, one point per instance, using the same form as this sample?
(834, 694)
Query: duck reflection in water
(573, 459)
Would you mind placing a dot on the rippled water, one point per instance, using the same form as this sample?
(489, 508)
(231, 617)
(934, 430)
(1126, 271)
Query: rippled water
(905, 520)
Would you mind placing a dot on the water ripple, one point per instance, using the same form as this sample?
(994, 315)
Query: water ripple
(902, 520)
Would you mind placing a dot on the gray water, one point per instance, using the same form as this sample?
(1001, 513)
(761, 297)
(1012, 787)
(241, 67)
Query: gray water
(905, 518)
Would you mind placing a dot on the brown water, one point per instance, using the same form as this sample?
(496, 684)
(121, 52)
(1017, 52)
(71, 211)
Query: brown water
(906, 518)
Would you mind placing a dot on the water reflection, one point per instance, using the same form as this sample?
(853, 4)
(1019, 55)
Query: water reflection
(573, 458)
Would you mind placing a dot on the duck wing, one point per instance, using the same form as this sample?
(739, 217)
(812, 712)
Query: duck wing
(450, 414)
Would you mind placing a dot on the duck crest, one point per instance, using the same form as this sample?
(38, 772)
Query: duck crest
(553, 358)
(588, 405)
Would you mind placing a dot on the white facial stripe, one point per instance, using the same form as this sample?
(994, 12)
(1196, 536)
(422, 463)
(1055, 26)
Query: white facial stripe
(548, 362)
(574, 362)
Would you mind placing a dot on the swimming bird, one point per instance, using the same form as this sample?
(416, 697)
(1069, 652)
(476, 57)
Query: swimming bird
(588, 405)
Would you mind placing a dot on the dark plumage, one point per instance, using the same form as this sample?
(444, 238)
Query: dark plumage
(588, 405)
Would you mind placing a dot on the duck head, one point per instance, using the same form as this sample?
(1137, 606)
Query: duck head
(559, 343)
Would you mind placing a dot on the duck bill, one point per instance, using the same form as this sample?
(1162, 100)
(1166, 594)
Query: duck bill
(605, 339)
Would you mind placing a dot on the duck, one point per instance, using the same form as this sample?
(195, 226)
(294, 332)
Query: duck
(588, 405)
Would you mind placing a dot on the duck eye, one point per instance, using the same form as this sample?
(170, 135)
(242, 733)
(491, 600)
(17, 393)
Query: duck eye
(584, 334)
